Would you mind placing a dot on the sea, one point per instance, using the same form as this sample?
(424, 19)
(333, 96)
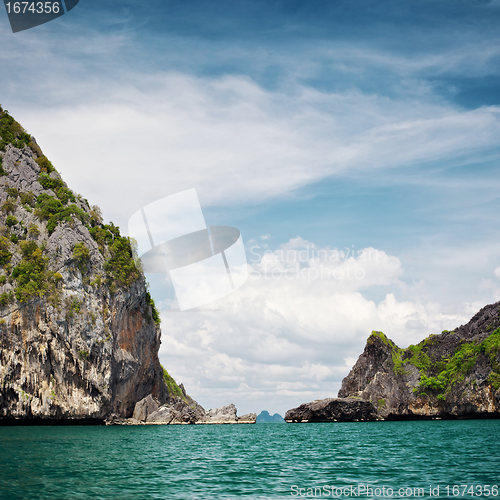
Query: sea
(409, 459)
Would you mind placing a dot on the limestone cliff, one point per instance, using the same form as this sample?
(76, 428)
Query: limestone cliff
(453, 374)
(79, 334)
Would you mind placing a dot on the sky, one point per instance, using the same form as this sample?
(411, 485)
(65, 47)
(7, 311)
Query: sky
(355, 144)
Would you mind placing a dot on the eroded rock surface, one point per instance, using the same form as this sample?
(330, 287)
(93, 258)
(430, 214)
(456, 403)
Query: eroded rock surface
(186, 411)
(224, 414)
(333, 410)
(455, 374)
(249, 418)
(77, 334)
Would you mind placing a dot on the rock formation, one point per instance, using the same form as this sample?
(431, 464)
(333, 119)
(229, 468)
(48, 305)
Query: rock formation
(248, 418)
(223, 414)
(332, 410)
(455, 374)
(79, 333)
(182, 411)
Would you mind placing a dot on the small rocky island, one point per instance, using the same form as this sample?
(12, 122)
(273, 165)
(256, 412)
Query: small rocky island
(183, 411)
(455, 374)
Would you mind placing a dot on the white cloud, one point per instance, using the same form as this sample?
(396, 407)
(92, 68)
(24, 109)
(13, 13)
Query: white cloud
(491, 287)
(236, 142)
(497, 272)
(289, 340)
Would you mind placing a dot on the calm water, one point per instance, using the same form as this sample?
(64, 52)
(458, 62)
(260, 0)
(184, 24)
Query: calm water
(253, 461)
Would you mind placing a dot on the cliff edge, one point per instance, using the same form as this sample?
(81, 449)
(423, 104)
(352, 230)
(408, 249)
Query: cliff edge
(453, 374)
(79, 333)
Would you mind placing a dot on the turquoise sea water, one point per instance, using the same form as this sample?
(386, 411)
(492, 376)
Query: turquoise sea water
(262, 461)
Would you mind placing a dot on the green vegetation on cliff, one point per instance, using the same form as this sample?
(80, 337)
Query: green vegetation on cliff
(173, 389)
(57, 206)
(154, 311)
(54, 212)
(444, 374)
(11, 132)
(5, 255)
(438, 377)
(396, 354)
(33, 277)
(49, 182)
(72, 299)
(81, 254)
(44, 164)
(120, 267)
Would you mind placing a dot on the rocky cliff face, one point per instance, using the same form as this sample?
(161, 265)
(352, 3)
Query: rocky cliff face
(453, 374)
(79, 336)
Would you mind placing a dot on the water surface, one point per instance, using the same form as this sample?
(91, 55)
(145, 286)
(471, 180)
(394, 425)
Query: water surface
(262, 461)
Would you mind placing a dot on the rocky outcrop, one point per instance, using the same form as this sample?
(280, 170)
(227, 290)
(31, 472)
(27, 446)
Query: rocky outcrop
(144, 408)
(249, 418)
(79, 334)
(455, 374)
(178, 412)
(184, 411)
(333, 410)
(223, 414)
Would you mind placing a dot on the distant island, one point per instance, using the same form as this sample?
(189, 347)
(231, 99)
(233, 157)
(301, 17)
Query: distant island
(265, 418)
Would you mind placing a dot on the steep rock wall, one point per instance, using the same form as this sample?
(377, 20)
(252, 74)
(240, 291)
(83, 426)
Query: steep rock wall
(78, 336)
(453, 374)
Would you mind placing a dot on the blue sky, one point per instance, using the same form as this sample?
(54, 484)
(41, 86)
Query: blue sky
(326, 124)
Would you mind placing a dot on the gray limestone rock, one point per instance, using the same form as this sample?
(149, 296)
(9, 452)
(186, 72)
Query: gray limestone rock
(388, 382)
(83, 349)
(165, 415)
(224, 414)
(176, 412)
(396, 391)
(248, 418)
(144, 408)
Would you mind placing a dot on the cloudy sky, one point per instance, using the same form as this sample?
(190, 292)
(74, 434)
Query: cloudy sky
(355, 144)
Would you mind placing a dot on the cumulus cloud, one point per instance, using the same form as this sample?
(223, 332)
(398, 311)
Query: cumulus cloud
(497, 272)
(491, 287)
(291, 333)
